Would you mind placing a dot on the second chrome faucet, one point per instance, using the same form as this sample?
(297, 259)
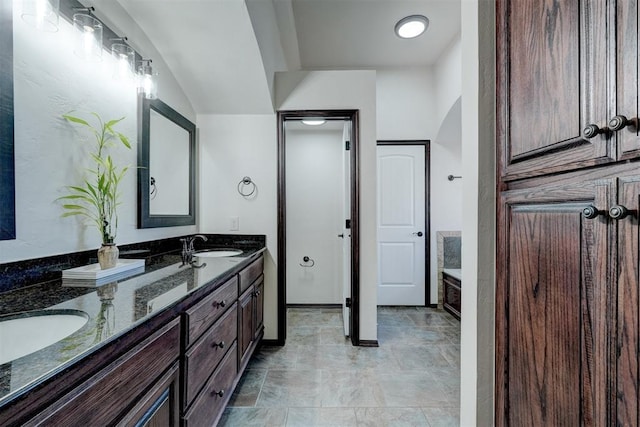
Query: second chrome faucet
(188, 250)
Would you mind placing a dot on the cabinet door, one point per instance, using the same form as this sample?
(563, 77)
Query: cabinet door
(552, 82)
(259, 308)
(555, 308)
(627, 69)
(628, 303)
(245, 326)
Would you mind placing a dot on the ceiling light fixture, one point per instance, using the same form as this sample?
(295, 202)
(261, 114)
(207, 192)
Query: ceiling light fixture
(314, 122)
(411, 26)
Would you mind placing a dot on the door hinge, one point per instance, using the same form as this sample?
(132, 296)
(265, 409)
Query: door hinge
(347, 146)
(347, 302)
(347, 224)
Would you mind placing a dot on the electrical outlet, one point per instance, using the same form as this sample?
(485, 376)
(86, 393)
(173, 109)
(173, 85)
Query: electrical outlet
(234, 223)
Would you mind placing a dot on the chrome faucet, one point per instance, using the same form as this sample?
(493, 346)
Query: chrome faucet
(188, 249)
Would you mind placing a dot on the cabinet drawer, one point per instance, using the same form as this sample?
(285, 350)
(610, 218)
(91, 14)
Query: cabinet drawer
(206, 353)
(100, 399)
(209, 405)
(202, 315)
(251, 273)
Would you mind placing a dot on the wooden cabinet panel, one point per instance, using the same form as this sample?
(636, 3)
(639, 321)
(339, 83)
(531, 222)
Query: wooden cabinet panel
(259, 309)
(627, 74)
(552, 82)
(102, 398)
(245, 325)
(628, 379)
(555, 308)
(202, 315)
(203, 357)
(452, 295)
(160, 406)
(209, 405)
(251, 273)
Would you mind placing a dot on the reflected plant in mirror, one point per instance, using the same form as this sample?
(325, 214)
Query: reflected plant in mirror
(97, 197)
(166, 160)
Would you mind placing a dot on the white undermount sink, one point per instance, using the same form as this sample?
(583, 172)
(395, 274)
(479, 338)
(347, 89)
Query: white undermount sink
(218, 254)
(25, 333)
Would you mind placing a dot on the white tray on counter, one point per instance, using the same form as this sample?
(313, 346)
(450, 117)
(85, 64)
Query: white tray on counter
(93, 271)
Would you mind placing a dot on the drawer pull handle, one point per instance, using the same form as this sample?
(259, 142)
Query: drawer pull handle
(218, 344)
(591, 131)
(220, 304)
(619, 122)
(618, 212)
(217, 393)
(256, 293)
(590, 212)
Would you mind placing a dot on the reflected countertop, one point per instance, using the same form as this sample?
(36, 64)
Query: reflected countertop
(113, 309)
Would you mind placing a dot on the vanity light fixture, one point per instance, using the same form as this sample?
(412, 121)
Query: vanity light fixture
(89, 39)
(411, 26)
(314, 122)
(147, 80)
(41, 14)
(125, 59)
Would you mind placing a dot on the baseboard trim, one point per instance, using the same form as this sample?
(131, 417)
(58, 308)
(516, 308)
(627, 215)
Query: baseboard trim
(368, 343)
(314, 306)
(432, 305)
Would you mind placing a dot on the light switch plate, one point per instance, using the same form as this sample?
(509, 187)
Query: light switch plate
(234, 223)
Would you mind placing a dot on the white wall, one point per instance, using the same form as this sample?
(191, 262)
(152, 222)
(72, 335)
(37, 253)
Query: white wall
(448, 74)
(446, 196)
(315, 215)
(406, 104)
(331, 90)
(478, 220)
(231, 147)
(49, 80)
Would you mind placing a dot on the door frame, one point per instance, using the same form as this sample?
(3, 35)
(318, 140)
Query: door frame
(353, 116)
(426, 143)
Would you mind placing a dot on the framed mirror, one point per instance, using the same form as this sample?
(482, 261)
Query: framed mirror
(7, 165)
(166, 166)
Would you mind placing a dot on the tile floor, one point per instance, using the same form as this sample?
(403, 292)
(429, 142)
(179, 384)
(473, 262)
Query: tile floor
(319, 379)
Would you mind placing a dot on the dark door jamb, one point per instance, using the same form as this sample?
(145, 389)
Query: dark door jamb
(354, 318)
(427, 201)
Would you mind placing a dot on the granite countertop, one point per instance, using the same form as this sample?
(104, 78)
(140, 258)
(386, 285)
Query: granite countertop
(456, 273)
(112, 309)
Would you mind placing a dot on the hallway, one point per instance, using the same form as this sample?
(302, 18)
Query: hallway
(319, 379)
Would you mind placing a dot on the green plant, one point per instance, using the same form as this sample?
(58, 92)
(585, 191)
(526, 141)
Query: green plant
(97, 198)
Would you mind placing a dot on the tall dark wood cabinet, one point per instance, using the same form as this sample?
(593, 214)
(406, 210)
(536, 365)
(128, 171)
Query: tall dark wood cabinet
(567, 300)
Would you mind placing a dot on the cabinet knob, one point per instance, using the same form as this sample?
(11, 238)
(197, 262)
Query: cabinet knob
(591, 131)
(618, 123)
(219, 344)
(618, 212)
(220, 304)
(590, 212)
(217, 393)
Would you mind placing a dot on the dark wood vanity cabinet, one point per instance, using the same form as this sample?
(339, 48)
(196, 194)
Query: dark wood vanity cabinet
(565, 70)
(567, 291)
(123, 391)
(452, 295)
(182, 372)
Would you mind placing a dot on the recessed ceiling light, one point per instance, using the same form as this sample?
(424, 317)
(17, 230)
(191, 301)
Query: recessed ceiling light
(411, 26)
(314, 122)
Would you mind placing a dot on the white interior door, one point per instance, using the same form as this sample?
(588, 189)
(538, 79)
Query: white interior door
(401, 225)
(346, 233)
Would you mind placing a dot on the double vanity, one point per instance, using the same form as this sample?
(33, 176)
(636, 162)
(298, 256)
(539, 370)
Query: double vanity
(163, 347)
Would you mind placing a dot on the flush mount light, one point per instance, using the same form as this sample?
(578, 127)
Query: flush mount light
(314, 122)
(411, 26)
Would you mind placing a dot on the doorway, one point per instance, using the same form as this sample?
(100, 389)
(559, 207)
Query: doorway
(403, 223)
(345, 239)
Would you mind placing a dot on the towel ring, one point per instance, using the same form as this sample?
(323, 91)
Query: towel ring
(246, 181)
